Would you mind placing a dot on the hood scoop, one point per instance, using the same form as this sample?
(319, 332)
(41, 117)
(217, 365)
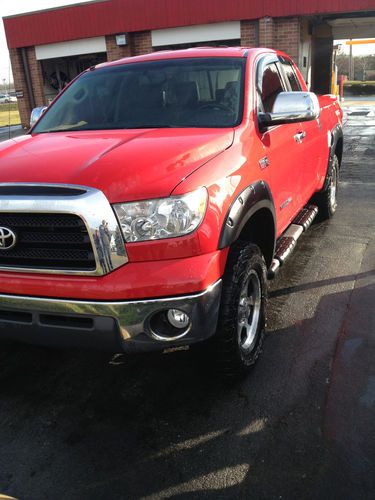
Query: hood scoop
(39, 190)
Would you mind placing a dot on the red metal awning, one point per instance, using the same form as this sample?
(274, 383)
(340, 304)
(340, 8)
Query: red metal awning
(118, 16)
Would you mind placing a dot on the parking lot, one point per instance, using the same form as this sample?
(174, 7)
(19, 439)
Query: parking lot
(83, 425)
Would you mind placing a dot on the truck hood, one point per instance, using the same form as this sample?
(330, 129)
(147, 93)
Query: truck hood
(125, 165)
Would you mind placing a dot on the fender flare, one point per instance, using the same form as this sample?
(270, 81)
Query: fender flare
(336, 135)
(253, 198)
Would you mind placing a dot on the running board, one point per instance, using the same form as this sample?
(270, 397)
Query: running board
(286, 243)
(306, 216)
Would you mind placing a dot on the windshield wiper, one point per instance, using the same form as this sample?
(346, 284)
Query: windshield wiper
(52, 131)
(150, 126)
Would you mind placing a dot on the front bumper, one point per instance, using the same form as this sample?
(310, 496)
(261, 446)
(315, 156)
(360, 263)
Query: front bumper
(113, 326)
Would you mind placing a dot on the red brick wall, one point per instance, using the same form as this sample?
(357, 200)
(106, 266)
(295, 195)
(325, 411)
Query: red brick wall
(249, 34)
(24, 104)
(20, 84)
(141, 43)
(282, 34)
(266, 32)
(36, 77)
(287, 36)
(115, 51)
(138, 43)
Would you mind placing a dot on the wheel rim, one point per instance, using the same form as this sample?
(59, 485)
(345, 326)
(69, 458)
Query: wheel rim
(249, 311)
(333, 189)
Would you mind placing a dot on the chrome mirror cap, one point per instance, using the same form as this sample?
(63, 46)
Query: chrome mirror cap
(36, 113)
(291, 107)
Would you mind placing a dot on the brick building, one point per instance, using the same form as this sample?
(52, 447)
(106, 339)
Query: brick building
(49, 48)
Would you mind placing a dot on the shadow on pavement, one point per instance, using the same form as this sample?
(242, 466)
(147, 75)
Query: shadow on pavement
(320, 283)
(80, 425)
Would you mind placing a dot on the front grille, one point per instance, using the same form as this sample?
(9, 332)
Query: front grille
(48, 241)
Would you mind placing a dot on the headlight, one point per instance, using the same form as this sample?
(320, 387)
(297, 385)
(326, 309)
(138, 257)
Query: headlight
(163, 217)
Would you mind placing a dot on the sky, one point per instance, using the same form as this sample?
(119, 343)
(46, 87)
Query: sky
(358, 50)
(10, 7)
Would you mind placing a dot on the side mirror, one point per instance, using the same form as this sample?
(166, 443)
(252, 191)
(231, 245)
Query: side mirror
(291, 107)
(36, 113)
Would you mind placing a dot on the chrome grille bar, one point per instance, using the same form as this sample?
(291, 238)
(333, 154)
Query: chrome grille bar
(39, 212)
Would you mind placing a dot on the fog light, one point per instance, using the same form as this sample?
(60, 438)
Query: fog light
(177, 318)
(169, 325)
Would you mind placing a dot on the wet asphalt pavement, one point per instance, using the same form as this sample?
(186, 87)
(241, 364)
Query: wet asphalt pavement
(79, 425)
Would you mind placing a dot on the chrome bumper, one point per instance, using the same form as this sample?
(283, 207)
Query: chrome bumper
(113, 326)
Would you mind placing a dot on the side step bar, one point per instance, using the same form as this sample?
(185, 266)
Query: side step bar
(286, 243)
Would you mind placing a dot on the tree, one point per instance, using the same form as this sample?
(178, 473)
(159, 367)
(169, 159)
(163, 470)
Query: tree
(364, 66)
(342, 63)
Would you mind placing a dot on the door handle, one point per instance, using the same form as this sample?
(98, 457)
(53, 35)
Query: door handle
(300, 136)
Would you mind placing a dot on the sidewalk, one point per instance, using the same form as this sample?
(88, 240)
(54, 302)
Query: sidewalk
(350, 102)
(358, 101)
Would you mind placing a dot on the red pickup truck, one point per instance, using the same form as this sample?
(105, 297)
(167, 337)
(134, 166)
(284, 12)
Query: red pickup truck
(150, 203)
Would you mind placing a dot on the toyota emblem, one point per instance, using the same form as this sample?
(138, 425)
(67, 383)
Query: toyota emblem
(7, 238)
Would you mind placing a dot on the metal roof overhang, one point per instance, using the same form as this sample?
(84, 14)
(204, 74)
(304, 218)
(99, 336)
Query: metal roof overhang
(356, 27)
(103, 17)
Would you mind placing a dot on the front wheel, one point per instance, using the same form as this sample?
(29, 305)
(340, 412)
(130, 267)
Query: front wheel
(242, 318)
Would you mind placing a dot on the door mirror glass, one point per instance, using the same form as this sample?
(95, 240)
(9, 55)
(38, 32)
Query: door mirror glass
(36, 113)
(291, 107)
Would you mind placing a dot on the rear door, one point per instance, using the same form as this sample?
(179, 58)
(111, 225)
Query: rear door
(280, 149)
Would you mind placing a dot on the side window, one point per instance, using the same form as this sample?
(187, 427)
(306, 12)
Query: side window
(271, 86)
(291, 76)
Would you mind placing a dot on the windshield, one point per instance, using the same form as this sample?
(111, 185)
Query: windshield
(202, 92)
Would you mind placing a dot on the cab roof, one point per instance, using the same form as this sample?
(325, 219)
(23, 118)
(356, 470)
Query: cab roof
(190, 53)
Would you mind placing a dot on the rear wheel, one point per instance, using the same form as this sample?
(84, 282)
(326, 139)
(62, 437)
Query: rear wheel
(242, 319)
(326, 200)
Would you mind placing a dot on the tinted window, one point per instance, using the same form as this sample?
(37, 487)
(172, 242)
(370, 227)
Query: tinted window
(271, 87)
(291, 77)
(204, 92)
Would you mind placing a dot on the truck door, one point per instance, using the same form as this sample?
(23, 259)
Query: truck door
(279, 147)
(310, 137)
